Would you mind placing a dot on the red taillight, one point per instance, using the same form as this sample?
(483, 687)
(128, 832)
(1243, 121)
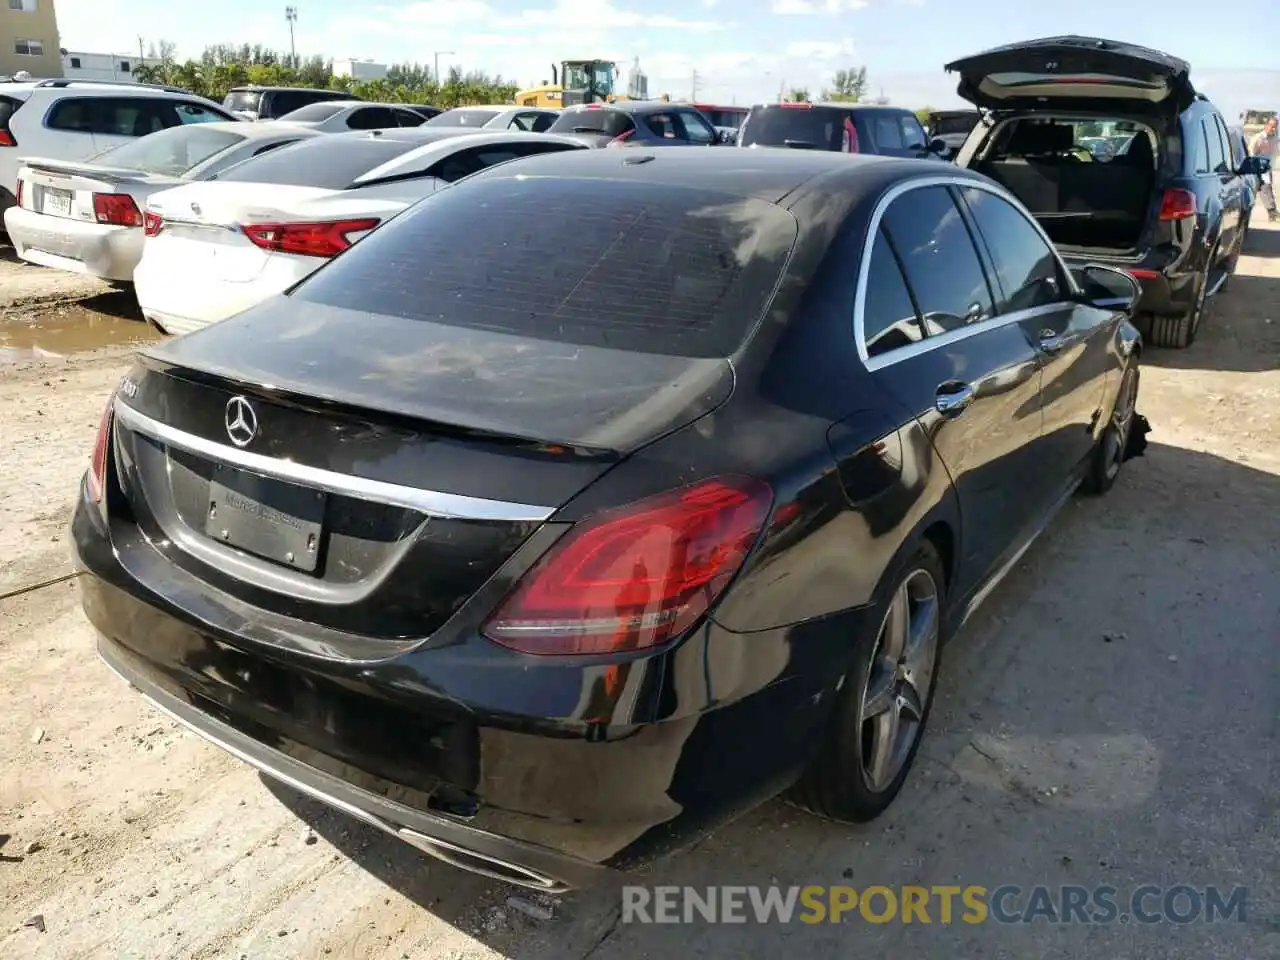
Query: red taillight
(117, 209)
(97, 478)
(850, 136)
(6, 139)
(1144, 274)
(635, 577)
(1177, 204)
(326, 239)
(152, 223)
(18, 195)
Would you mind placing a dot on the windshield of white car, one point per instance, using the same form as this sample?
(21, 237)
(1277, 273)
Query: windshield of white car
(170, 152)
(316, 112)
(331, 162)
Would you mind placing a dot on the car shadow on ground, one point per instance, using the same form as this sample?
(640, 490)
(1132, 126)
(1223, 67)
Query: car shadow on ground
(1240, 330)
(1078, 738)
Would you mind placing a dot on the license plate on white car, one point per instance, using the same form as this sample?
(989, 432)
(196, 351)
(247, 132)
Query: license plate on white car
(57, 203)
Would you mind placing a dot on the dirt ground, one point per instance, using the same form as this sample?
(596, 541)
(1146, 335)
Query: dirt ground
(1112, 716)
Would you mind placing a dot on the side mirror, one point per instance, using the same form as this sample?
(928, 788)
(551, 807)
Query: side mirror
(1254, 167)
(938, 145)
(1108, 288)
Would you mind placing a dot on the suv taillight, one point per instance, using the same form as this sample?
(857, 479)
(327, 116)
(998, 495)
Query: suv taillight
(850, 143)
(634, 578)
(1177, 204)
(18, 195)
(97, 476)
(152, 223)
(117, 209)
(6, 138)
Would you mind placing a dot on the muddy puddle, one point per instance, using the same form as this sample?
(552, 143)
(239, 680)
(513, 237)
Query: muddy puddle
(64, 331)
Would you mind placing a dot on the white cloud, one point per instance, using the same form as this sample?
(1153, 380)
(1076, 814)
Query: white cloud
(820, 49)
(801, 8)
(603, 15)
(438, 12)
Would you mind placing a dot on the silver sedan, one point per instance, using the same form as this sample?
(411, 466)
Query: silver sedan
(86, 216)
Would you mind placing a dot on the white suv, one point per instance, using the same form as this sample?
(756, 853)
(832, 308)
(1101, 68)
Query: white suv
(78, 119)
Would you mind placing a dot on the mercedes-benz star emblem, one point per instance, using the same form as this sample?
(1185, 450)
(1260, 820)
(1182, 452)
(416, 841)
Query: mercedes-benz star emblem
(241, 421)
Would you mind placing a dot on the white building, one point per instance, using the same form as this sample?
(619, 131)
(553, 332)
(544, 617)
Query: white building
(78, 65)
(359, 69)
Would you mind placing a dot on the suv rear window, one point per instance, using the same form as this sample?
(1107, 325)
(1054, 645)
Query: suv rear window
(247, 100)
(799, 125)
(610, 123)
(331, 163)
(601, 263)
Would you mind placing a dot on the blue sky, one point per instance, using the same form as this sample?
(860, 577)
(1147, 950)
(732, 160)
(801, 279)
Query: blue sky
(742, 49)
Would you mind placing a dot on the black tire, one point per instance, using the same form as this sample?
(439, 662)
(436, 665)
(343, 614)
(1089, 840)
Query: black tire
(1180, 331)
(837, 784)
(1109, 452)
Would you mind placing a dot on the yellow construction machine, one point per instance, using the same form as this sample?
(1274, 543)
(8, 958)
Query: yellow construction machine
(576, 82)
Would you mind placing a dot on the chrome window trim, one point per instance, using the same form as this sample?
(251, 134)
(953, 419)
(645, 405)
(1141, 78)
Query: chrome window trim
(434, 503)
(883, 360)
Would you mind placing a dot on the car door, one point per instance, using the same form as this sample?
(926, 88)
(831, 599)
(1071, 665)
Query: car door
(1229, 187)
(1071, 338)
(969, 376)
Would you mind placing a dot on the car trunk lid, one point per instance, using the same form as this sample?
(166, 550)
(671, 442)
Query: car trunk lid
(352, 452)
(222, 228)
(67, 188)
(1074, 73)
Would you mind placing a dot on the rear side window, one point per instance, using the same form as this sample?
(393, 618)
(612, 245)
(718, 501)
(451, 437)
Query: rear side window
(112, 116)
(669, 270)
(1196, 147)
(894, 134)
(813, 128)
(1027, 268)
(372, 118)
(1228, 164)
(331, 163)
(196, 113)
(608, 123)
(1217, 155)
(939, 259)
(889, 319)
(694, 127)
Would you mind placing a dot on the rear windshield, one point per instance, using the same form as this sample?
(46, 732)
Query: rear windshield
(941, 125)
(723, 118)
(814, 128)
(610, 123)
(170, 152)
(247, 100)
(600, 263)
(463, 117)
(331, 163)
(315, 111)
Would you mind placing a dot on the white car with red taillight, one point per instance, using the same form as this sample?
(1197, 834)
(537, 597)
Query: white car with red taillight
(86, 216)
(216, 248)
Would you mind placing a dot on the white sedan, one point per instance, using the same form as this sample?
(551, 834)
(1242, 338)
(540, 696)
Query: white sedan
(86, 216)
(214, 249)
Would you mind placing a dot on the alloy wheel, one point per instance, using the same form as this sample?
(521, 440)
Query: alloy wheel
(899, 681)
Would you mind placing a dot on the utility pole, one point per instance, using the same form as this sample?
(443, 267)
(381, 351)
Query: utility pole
(291, 15)
(438, 55)
(693, 88)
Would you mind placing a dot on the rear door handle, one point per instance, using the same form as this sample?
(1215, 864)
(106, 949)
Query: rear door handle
(953, 399)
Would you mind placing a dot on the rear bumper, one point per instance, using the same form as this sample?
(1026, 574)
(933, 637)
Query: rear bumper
(548, 775)
(94, 249)
(1168, 286)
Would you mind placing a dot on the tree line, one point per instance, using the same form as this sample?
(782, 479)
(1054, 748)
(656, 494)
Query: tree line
(224, 66)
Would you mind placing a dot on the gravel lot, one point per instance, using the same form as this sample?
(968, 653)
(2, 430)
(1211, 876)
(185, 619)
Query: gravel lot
(1111, 717)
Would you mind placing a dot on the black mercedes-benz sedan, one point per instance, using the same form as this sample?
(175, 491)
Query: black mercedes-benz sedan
(590, 502)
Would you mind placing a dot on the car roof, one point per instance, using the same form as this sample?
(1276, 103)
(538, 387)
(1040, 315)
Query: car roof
(442, 146)
(631, 107)
(772, 175)
(257, 89)
(838, 105)
(106, 88)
